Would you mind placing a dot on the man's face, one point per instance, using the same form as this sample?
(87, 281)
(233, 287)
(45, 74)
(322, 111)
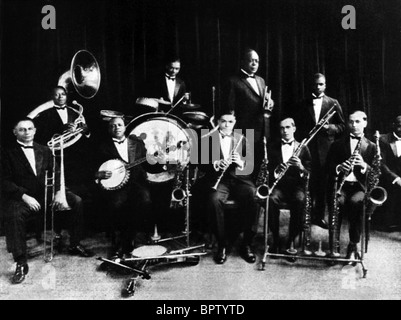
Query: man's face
(357, 124)
(251, 63)
(25, 131)
(59, 97)
(227, 123)
(319, 86)
(173, 68)
(397, 126)
(287, 130)
(117, 128)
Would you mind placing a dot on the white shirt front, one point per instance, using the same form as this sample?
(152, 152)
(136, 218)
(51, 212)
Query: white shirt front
(287, 150)
(317, 106)
(170, 87)
(252, 82)
(122, 149)
(30, 155)
(398, 145)
(63, 114)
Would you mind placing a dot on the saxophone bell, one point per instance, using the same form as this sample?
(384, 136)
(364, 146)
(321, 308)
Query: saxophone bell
(377, 196)
(262, 191)
(178, 194)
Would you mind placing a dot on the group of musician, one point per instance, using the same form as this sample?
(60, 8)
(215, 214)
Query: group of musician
(339, 147)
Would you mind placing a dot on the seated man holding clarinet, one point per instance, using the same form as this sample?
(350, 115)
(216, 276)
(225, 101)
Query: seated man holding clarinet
(227, 176)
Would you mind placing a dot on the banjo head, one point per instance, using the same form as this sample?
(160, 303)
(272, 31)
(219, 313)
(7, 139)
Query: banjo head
(119, 176)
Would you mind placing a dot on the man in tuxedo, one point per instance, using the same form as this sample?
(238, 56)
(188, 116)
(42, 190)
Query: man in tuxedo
(353, 171)
(245, 94)
(57, 120)
(24, 167)
(291, 188)
(227, 162)
(130, 205)
(390, 145)
(168, 87)
(309, 112)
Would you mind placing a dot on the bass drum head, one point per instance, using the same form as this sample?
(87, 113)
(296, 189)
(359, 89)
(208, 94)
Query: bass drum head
(166, 134)
(149, 251)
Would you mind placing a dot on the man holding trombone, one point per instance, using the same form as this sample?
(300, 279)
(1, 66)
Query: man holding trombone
(24, 186)
(228, 177)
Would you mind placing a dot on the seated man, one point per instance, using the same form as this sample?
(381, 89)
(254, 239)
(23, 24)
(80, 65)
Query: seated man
(128, 206)
(291, 187)
(350, 158)
(227, 163)
(24, 166)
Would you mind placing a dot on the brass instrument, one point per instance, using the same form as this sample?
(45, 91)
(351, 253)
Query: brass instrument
(375, 195)
(262, 181)
(178, 194)
(229, 159)
(304, 143)
(352, 161)
(84, 74)
(268, 105)
(306, 225)
(50, 182)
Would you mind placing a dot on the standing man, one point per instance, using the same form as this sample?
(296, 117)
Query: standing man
(24, 167)
(227, 162)
(245, 94)
(350, 158)
(309, 113)
(128, 206)
(168, 87)
(291, 188)
(390, 145)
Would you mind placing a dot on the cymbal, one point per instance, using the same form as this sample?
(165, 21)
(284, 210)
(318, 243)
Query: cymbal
(161, 101)
(196, 116)
(190, 106)
(109, 114)
(196, 126)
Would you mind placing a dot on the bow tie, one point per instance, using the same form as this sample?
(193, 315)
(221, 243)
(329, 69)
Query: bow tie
(249, 76)
(119, 142)
(170, 78)
(317, 98)
(60, 108)
(26, 147)
(225, 135)
(287, 142)
(355, 138)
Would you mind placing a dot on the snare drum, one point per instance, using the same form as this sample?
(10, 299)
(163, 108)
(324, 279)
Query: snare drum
(163, 133)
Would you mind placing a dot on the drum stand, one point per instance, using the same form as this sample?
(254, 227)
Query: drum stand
(138, 265)
(308, 255)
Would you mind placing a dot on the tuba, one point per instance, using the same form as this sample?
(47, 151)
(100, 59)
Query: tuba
(84, 74)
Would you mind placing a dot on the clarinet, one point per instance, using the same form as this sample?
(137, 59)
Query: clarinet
(307, 232)
(223, 171)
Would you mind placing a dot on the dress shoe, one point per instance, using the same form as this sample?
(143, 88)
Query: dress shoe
(320, 223)
(221, 256)
(20, 272)
(248, 255)
(351, 253)
(80, 251)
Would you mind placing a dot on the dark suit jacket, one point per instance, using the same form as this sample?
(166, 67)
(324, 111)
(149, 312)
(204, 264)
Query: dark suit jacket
(136, 150)
(292, 175)
(340, 151)
(157, 88)
(211, 175)
(305, 121)
(240, 96)
(18, 176)
(391, 163)
(49, 123)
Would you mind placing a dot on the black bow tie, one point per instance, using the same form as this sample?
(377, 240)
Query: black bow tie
(355, 138)
(26, 147)
(226, 135)
(119, 142)
(289, 142)
(60, 108)
(317, 98)
(170, 78)
(249, 76)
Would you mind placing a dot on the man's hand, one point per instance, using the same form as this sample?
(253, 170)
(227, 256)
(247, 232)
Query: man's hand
(398, 183)
(294, 161)
(103, 175)
(31, 202)
(57, 203)
(345, 167)
(236, 158)
(223, 164)
(359, 162)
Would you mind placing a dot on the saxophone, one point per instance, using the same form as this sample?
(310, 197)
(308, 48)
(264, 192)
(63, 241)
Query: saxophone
(262, 181)
(334, 224)
(307, 218)
(178, 194)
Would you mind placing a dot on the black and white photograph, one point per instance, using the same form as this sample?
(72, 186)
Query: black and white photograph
(209, 152)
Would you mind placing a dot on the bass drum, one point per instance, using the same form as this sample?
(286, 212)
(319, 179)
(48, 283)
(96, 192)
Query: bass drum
(166, 134)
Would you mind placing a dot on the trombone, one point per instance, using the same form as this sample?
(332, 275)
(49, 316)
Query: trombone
(50, 185)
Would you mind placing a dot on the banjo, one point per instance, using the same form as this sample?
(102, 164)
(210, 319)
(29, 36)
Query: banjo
(120, 170)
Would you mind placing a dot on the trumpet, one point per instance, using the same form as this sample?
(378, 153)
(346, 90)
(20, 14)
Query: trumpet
(224, 170)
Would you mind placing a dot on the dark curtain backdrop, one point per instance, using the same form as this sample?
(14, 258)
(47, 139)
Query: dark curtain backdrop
(130, 39)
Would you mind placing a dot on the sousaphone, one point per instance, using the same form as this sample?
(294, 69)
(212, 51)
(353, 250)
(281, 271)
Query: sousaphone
(84, 74)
